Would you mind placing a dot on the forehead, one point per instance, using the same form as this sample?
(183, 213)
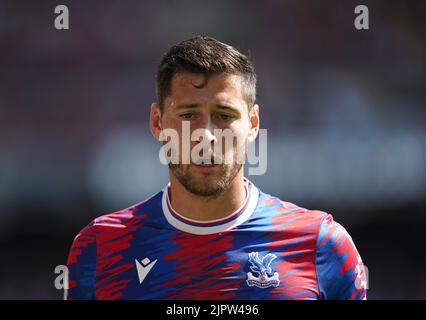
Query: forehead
(191, 88)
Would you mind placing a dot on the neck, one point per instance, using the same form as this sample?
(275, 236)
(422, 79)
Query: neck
(201, 208)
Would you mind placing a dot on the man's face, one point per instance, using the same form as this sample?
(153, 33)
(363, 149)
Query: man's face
(216, 103)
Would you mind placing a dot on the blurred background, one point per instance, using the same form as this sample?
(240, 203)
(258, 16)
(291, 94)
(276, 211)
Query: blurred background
(345, 112)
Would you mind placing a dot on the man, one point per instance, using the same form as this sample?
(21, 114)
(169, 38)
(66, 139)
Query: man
(211, 233)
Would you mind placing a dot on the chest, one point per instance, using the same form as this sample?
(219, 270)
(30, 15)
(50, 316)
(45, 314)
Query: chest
(170, 265)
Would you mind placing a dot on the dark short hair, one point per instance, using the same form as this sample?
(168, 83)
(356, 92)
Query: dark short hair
(207, 56)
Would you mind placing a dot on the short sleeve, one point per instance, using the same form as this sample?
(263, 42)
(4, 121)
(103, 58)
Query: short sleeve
(82, 265)
(339, 267)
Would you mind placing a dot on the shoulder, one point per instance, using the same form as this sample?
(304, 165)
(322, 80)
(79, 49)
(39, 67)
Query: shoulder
(332, 232)
(339, 267)
(340, 270)
(109, 225)
(124, 220)
(313, 221)
(333, 238)
(292, 217)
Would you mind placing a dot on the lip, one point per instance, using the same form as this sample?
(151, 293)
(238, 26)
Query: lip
(206, 167)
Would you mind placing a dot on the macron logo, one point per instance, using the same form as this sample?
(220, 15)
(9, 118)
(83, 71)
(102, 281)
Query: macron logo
(144, 267)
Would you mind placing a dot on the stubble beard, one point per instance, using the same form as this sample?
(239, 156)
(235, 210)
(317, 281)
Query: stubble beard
(208, 186)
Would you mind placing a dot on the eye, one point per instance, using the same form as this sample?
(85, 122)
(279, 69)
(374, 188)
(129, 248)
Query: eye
(225, 116)
(187, 116)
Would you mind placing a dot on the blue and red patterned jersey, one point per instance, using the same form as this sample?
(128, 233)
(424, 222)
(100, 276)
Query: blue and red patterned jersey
(267, 249)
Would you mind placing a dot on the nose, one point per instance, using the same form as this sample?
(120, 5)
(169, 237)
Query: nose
(207, 130)
(206, 133)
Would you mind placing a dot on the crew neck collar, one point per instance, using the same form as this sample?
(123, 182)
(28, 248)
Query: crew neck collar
(211, 226)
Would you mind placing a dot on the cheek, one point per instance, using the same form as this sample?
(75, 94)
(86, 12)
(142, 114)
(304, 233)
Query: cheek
(241, 131)
(172, 124)
(236, 149)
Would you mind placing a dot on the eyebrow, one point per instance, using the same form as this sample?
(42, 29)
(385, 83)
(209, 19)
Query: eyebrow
(187, 106)
(196, 105)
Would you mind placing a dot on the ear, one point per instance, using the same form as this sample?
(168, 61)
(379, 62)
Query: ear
(155, 120)
(254, 123)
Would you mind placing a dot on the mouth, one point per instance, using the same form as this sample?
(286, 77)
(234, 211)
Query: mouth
(206, 165)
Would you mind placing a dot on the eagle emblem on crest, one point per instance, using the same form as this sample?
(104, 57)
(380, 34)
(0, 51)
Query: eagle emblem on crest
(262, 266)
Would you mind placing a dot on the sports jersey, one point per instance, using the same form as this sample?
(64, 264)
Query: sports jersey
(267, 249)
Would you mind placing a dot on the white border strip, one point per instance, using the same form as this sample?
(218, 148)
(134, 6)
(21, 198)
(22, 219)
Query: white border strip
(200, 230)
